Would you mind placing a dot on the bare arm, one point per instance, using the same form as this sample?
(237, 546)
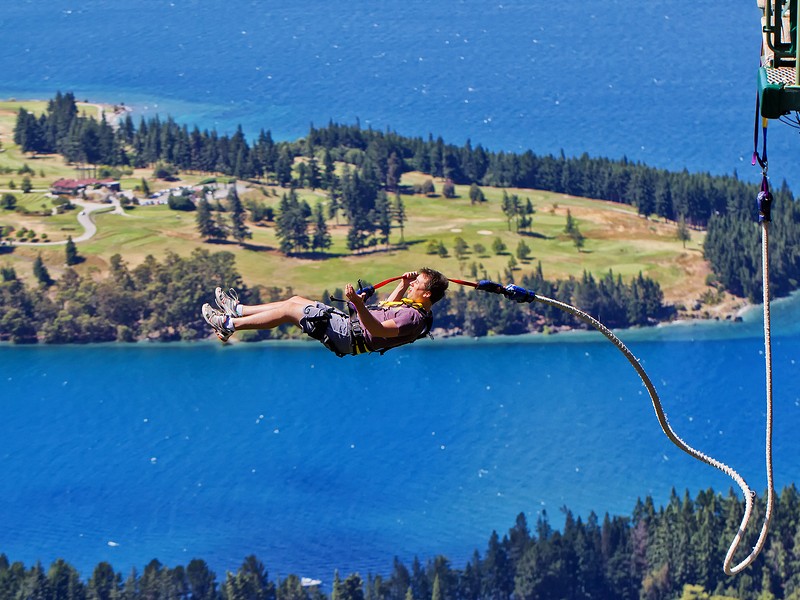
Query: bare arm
(385, 329)
(401, 288)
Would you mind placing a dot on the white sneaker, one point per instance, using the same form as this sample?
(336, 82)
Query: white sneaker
(217, 320)
(228, 301)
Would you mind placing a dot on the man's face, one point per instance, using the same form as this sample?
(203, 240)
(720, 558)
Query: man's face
(418, 289)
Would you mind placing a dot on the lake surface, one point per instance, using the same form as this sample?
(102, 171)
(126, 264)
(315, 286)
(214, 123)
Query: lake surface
(127, 453)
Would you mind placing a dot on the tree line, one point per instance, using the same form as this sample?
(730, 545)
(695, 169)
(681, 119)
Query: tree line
(160, 300)
(377, 159)
(675, 551)
(379, 155)
(610, 299)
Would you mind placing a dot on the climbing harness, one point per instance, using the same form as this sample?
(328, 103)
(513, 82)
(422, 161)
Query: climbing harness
(358, 341)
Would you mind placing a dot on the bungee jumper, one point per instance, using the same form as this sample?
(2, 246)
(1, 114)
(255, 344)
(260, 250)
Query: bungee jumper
(404, 317)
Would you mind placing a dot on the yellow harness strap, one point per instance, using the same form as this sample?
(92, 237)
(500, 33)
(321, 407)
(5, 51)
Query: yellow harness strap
(401, 302)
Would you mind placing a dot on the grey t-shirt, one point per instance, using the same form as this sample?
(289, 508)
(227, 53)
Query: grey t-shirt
(410, 321)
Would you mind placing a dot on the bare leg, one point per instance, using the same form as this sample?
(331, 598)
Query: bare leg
(251, 309)
(273, 314)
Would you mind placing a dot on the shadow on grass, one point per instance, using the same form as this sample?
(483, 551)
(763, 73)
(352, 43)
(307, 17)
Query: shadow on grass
(533, 234)
(315, 255)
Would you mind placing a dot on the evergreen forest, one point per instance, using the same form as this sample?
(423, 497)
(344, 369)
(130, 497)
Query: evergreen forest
(159, 300)
(375, 160)
(675, 551)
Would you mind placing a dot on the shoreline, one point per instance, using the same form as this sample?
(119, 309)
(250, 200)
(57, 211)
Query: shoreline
(747, 326)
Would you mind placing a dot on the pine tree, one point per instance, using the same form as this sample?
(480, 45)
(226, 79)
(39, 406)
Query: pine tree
(313, 175)
(393, 172)
(104, 583)
(573, 231)
(523, 250)
(72, 257)
(207, 226)
(65, 582)
(41, 273)
(200, 580)
(683, 233)
(508, 208)
(400, 216)
(571, 225)
(8, 201)
(476, 194)
(437, 589)
(239, 230)
(498, 246)
(328, 170)
(291, 224)
(283, 168)
(383, 217)
(460, 247)
(321, 238)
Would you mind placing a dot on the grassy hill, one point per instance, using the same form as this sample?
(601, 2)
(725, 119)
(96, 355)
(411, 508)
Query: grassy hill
(617, 237)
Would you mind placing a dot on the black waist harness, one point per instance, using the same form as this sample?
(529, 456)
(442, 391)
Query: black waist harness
(358, 342)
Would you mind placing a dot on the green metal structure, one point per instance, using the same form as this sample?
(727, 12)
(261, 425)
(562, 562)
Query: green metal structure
(779, 73)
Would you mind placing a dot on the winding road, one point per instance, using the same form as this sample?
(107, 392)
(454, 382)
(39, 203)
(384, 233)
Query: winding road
(85, 220)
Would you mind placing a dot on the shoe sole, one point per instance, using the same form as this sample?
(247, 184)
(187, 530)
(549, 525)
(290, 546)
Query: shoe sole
(207, 312)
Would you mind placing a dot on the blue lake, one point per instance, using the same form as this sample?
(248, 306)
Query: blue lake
(127, 453)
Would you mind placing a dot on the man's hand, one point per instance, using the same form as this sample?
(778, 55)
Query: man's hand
(402, 286)
(409, 277)
(352, 296)
(385, 329)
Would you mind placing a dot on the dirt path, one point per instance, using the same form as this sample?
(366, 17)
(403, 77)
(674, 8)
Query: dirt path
(85, 220)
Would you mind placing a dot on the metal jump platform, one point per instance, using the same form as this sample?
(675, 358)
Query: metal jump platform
(778, 75)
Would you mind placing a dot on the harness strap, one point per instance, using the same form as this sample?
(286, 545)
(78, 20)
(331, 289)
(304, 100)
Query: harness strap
(358, 342)
(762, 158)
(402, 302)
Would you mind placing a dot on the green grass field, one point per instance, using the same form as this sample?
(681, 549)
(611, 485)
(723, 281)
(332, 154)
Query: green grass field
(617, 238)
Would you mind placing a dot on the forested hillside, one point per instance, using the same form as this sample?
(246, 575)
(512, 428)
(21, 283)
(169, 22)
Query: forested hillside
(674, 551)
(159, 300)
(724, 204)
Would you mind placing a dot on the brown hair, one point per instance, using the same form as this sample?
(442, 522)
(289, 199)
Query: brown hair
(437, 283)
